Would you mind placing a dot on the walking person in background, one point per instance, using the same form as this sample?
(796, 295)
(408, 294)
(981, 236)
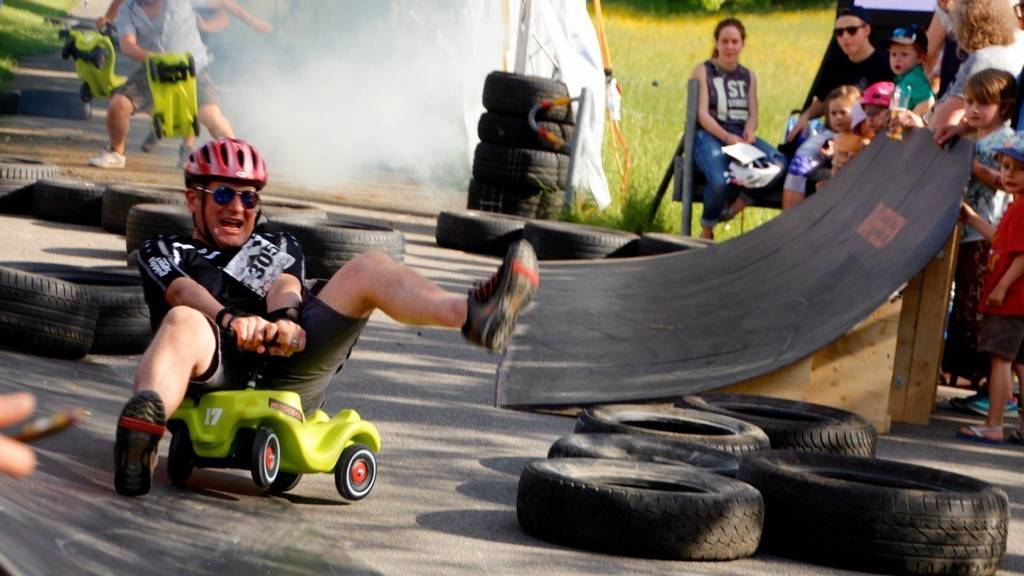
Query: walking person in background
(727, 114)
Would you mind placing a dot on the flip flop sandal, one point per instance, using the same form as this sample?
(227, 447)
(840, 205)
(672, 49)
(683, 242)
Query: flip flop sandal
(977, 434)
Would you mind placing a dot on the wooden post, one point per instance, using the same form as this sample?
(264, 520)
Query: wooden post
(921, 338)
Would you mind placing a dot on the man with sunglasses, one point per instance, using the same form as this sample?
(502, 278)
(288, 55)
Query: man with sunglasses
(230, 298)
(859, 64)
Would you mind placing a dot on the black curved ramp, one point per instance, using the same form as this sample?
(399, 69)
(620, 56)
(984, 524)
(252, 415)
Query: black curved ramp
(658, 327)
(66, 519)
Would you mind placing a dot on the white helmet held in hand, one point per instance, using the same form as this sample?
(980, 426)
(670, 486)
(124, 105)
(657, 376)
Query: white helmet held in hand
(754, 174)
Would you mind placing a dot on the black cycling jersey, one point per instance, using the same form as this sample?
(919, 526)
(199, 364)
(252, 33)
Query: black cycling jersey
(237, 278)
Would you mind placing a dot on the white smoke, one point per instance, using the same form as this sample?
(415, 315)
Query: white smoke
(347, 90)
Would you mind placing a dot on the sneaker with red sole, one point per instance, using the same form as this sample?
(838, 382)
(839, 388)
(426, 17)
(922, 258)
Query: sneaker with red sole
(139, 430)
(495, 305)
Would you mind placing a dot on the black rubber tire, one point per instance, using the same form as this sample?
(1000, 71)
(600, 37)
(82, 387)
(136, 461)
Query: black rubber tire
(22, 170)
(85, 93)
(515, 132)
(285, 481)
(350, 459)
(10, 102)
(515, 95)
(639, 508)
(180, 457)
(652, 243)
(689, 426)
(266, 458)
(478, 232)
(147, 220)
(329, 246)
(526, 202)
(119, 199)
(520, 167)
(793, 425)
(568, 241)
(645, 449)
(66, 104)
(281, 209)
(44, 315)
(122, 326)
(878, 515)
(16, 196)
(68, 201)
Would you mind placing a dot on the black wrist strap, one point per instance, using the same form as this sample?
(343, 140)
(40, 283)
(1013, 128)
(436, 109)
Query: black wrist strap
(219, 320)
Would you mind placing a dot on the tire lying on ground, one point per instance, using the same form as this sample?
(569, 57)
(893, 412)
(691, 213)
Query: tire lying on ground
(520, 167)
(645, 449)
(568, 241)
(515, 94)
(122, 326)
(652, 243)
(523, 202)
(10, 101)
(16, 197)
(689, 426)
(65, 104)
(147, 220)
(44, 315)
(119, 199)
(68, 201)
(793, 425)
(515, 132)
(328, 246)
(478, 232)
(24, 170)
(878, 515)
(278, 208)
(639, 508)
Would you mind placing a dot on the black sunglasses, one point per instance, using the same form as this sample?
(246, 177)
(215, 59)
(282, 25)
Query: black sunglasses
(224, 194)
(851, 30)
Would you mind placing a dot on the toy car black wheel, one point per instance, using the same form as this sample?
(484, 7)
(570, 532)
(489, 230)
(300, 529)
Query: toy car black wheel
(158, 130)
(65, 52)
(180, 457)
(85, 93)
(355, 473)
(191, 66)
(154, 70)
(266, 457)
(195, 125)
(285, 482)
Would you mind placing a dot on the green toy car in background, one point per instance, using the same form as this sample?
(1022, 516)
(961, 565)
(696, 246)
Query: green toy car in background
(172, 82)
(95, 57)
(265, 432)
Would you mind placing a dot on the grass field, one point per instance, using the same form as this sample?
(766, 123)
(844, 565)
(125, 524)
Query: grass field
(24, 31)
(653, 56)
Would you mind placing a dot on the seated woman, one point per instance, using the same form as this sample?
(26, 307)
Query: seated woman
(727, 114)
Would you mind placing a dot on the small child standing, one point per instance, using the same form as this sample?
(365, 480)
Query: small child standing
(908, 48)
(1002, 330)
(989, 97)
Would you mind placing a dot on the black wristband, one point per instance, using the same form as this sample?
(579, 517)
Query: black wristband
(289, 313)
(220, 316)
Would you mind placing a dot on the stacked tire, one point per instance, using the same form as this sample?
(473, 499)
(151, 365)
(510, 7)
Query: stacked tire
(18, 177)
(515, 170)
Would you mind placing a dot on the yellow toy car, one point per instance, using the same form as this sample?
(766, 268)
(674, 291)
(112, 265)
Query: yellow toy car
(95, 55)
(172, 82)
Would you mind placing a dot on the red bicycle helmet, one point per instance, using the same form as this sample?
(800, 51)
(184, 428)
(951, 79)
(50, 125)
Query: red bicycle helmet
(226, 159)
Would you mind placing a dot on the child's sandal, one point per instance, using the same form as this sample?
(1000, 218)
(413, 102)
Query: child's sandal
(980, 434)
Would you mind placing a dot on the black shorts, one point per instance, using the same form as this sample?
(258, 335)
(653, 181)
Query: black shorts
(330, 337)
(1003, 336)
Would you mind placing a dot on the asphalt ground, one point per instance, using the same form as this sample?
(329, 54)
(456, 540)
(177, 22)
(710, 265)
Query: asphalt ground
(445, 498)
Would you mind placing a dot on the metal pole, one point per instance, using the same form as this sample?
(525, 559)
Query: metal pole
(682, 148)
(685, 194)
(525, 15)
(574, 146)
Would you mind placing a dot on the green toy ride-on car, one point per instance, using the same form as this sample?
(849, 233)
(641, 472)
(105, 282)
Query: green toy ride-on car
(172, 82)
(95, 57)
(265, 432)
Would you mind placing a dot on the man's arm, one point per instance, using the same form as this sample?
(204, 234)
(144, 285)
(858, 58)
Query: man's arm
(109, 15)
(130, 48)
(233, 8)
(283, 301)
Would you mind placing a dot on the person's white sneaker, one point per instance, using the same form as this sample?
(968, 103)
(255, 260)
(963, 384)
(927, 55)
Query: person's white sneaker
(108, 159)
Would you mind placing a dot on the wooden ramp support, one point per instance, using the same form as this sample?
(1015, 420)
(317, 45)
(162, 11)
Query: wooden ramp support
(887, 367)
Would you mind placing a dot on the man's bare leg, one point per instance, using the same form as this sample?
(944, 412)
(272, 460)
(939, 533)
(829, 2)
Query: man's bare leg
(215, 122)
(181, 351)
(119, 114)
(373, 281)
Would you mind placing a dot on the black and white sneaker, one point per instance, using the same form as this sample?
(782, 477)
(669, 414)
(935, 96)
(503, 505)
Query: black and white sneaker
(139, 429)
(495, 305)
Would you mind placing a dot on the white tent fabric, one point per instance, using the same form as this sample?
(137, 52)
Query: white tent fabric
(563, 45)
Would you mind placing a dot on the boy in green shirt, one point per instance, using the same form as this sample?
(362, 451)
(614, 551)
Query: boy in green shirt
(908, 47)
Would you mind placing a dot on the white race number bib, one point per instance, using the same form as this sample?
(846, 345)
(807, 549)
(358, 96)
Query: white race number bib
(258, 263)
